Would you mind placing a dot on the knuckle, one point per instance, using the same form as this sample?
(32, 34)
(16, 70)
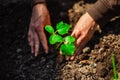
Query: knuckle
(39, 28)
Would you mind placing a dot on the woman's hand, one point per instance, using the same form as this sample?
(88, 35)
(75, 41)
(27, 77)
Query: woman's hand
(83, 32)
(40, 18)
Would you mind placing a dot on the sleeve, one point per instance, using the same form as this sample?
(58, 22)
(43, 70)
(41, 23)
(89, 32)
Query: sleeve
(39, 1)
(103, 10)
(34, 2)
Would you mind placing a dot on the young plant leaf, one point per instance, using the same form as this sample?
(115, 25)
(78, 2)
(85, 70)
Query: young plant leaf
(49, 29)
(55, 38)
(59, 25)
(62, 28)
(69, 39)
(67, 49)
(115, 76)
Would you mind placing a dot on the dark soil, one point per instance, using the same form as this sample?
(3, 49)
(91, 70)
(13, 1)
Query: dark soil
(18, 63)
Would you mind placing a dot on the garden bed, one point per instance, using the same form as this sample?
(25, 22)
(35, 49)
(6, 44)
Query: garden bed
(18, 63)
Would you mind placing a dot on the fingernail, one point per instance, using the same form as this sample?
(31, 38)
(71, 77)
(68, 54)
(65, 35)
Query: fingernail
(72, 58)
(35, 54)
(32, 51)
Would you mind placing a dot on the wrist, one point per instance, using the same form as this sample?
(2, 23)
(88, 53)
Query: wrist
(40, 6)
(89, 21)
(90, 18)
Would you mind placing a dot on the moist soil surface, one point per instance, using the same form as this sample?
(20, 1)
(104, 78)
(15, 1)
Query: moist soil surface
(18, 63)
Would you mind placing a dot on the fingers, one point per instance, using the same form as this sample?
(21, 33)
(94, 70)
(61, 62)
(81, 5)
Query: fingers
(43, 40)
(78, 50)
(77, 30)
(42, 37)
(37, 43)
(80, 40)
(76, 33)
(31, 39)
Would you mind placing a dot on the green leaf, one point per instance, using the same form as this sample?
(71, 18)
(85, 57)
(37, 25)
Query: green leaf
(69, 39)
(59, 25)
(67, 49)
(115, 76)
(62, 28)
(55, 38)
(49, 29)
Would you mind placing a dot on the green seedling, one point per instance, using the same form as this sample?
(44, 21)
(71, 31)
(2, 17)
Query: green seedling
(66, 43)
(115, 76)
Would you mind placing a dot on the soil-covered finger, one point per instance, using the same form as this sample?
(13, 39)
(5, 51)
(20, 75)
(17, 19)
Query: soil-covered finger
(31, 40)
(43, 40)
(37, 43)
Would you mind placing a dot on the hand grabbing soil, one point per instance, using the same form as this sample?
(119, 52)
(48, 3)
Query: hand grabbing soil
(83, 32)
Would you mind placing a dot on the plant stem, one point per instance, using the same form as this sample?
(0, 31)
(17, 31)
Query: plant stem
(114, 67)
(55, 32)
(58, 45)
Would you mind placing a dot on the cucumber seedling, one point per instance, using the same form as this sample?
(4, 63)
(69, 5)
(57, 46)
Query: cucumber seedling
(65, 43)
